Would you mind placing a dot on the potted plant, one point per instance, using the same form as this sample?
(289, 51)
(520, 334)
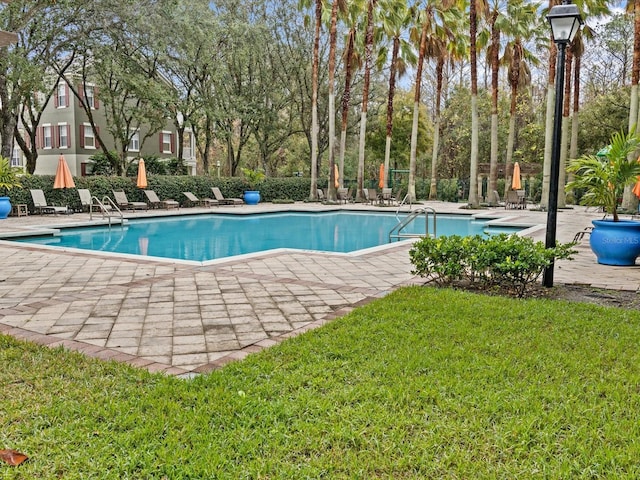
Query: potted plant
(603, 178)
(8, 179)
(252, 178)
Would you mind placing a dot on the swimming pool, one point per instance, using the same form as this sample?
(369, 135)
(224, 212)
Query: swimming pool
(214, 236)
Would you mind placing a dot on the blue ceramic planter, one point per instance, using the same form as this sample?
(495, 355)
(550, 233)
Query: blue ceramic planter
(5, 207)
(615, 243)
(251, 197)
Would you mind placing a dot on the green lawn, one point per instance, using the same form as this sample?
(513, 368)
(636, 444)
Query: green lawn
(423, 383)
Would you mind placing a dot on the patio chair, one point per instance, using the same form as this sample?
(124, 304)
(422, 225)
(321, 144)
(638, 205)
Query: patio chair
(372, 195)
(344, 195)
(387, 196)
(513, 200)
(204, 202)
(41, 206)
(225, 201)
(124, 204)
(85, 199)
(155, 202)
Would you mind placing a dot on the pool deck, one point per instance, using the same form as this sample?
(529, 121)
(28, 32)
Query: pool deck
(185, 318)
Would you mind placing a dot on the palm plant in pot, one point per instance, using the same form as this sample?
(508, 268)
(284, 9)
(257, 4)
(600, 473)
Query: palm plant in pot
(252, 178)
(8, 179)
(602, 179)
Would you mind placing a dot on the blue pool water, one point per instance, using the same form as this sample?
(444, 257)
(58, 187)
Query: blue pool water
(208, 237)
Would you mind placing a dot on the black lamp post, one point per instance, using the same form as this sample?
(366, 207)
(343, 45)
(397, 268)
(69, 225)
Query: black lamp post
(565, 22)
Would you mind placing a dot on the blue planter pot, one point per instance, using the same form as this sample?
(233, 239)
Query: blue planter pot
(251, 197)
(615, 243)
(5, 207)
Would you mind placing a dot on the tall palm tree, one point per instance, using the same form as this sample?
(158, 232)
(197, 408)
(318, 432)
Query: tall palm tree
(473, 54)
(452, 47)
(368, 65)
(396, 17)
(523, 26)
(335, 6)
(352, 61)
(428, 33)
(566, 125)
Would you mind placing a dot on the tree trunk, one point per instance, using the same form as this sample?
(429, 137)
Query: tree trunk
(495, 66)
(433, 187)
(392, 90)
(411, 190)
(313, 193)
(473, 168)
(331, 191)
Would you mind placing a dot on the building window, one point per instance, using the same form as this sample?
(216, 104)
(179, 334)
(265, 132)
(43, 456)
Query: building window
(134, 142)
(63, 135)
(90, 96)
(89, 137)
(16, 160)
(47, 138)
(165, 142)
(62, 95)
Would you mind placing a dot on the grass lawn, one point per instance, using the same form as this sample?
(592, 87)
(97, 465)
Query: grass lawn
(423, 383)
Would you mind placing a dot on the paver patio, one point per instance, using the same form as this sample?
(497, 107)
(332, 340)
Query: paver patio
(191, 318)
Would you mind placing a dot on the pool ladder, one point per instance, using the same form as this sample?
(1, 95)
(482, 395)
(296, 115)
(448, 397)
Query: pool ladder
(396, 232)
(107, 207)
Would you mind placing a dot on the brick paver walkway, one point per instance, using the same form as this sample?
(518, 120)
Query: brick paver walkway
(188, 318)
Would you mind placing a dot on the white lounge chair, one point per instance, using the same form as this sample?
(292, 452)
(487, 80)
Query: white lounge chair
(193, 200)
(124, 203)
(225, 201)
(155, 202)
(41, 206)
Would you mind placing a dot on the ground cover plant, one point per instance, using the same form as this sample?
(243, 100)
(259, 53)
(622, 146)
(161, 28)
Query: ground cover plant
(423, 383)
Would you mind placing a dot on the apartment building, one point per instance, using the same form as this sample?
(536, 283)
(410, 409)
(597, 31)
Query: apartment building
(65, 129)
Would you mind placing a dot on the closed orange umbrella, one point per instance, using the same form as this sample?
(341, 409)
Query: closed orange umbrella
(142, 175)
(636, 188)
(516, 182)
(63, 175)
(336, 175)
(381, 182)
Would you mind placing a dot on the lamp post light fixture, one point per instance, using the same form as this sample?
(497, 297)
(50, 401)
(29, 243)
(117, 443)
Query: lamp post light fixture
(218, 165)
(565, 22)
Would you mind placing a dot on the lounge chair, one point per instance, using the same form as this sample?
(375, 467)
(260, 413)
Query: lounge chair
(124, 204)
(372, 195)
(155, 202)
(193, 200)
(387, 196)
(344, 195)
(514, 200)
(41, 206)
(85, 199)
(225, 201)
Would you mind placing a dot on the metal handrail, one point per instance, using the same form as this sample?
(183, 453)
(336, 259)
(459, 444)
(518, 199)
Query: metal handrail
(396, 231)
(106, 212)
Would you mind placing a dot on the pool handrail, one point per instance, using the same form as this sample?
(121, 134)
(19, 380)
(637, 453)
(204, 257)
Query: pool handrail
(105, 209)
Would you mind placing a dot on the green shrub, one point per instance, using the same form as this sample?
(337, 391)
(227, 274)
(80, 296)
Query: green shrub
(509, 262)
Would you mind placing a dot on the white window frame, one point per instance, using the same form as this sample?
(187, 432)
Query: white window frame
(16, 158)
(166, 142)
(134, 142)
(63, 101)
(89, 96)
(47, 136)
(88, 133)
(63, 129)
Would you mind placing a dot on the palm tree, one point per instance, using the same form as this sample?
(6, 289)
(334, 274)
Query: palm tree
(452, 48)
(523, 25)
(368, 65)
(313, 193)
(396, 18)
(432, 29)
(351, 60)
(337, 4)
(473, 54)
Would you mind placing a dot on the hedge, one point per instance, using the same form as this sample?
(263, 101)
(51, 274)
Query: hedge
(292, 188)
